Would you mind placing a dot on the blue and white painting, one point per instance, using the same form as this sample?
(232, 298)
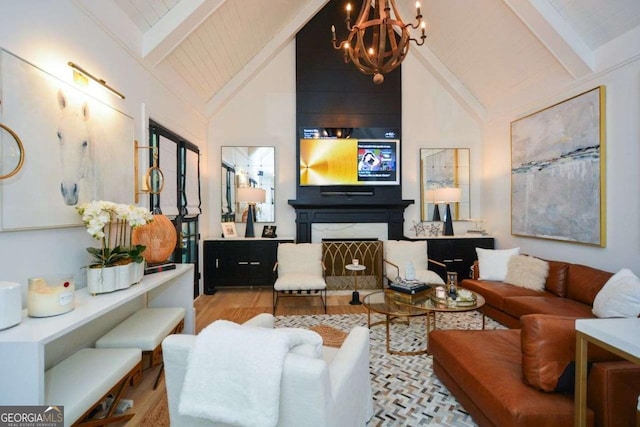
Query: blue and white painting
(77, 149)
(557, 171)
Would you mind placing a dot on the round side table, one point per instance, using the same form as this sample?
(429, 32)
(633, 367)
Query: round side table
(354, 268)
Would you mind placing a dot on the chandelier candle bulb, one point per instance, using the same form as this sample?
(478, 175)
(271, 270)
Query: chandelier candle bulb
(418, 9)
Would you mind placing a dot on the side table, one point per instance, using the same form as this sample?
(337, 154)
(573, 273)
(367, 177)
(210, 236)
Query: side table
(354, 268)
(618, 335)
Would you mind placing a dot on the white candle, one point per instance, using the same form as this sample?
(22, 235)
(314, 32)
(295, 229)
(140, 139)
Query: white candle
(355, 261)
(440, 292)
(50, 296)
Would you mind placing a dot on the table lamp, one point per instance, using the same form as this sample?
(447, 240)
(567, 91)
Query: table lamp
(251, 196)
(430, 195)
(448, 195)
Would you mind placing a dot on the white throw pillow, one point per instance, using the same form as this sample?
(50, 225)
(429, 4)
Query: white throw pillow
(619, 297)
(493, 262)
(526, 272)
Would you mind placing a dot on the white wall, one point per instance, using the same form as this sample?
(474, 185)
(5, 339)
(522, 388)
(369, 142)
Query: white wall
(263, 113)
(48, 33)
(622, 175)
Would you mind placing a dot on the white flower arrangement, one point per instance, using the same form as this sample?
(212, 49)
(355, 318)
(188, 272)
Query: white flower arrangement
(112, 224)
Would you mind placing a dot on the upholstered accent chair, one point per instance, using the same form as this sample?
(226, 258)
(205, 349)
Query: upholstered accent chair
(399, 253)
(333, 390)
(300, 272)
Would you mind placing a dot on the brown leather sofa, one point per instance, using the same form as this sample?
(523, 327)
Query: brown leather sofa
(569, 291)
(523, 377)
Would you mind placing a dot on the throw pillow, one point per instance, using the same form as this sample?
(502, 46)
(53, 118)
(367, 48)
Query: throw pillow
(493, 262)
(619, 297)
(526, 272)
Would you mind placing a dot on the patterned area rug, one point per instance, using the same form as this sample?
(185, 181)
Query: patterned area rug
(405, 391)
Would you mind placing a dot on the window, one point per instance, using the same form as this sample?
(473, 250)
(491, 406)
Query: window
(180, 201)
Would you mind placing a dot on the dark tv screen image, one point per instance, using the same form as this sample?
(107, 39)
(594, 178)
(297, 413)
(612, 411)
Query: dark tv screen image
(329, 161)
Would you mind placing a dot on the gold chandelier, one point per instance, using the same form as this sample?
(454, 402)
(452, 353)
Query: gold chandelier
(379, 40)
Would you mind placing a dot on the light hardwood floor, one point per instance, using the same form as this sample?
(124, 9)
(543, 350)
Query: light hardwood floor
(237, 305)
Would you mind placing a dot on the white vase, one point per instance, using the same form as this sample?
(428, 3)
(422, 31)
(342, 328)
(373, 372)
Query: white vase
(108, 279)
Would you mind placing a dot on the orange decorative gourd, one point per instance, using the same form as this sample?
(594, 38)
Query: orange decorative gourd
(159, 237)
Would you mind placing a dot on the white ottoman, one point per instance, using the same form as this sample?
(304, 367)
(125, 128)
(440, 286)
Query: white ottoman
(145, 330)
(84, 379)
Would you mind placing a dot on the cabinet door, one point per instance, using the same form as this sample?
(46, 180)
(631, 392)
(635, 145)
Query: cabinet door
(218, 265)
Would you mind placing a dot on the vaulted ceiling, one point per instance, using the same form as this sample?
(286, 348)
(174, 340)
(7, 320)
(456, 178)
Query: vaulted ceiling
(487, 52)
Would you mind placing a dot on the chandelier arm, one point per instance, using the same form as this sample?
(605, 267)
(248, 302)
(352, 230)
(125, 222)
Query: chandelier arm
(363, 16)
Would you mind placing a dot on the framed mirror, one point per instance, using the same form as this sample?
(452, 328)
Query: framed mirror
(442, 169)
(244, 167)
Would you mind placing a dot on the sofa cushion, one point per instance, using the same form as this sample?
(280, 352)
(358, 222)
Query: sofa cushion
(557, 278)
(619, 297)
(549, 347)
(494, 293)
(584, 283)
(527, 272)
(519, 306)
(493, 262)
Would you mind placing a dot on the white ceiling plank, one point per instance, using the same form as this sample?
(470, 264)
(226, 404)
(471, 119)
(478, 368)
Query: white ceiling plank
(620, 50)
(556, 35)
(174, 27)
(264, 56)
(454, 86)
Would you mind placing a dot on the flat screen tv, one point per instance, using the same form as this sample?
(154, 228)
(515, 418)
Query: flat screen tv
(349, 157)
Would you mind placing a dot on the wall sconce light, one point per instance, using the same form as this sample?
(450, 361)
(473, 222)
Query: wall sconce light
(153, 179)
(81, 76)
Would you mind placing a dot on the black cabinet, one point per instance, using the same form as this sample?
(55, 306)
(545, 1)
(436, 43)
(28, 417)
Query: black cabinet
(458, 253)
(239, 262)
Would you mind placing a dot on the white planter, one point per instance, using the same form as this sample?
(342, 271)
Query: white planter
(109, 279)
(137, 272)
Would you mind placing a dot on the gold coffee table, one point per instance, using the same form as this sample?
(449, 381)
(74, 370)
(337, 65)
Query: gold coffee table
(397, 309)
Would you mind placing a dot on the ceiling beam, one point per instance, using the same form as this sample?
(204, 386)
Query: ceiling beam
(556, 35)
(265, 55)
(161, 39)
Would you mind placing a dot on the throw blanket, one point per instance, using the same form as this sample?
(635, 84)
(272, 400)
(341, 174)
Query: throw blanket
(234, 371)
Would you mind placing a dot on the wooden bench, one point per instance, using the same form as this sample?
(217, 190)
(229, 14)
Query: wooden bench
(83, 380)
(145, 330)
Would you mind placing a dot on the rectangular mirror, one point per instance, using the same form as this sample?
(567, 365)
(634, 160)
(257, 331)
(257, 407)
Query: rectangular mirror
(248, 167)
(444, 168)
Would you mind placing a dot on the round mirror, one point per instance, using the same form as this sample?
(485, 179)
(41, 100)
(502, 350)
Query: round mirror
(11, 153)
(154, 179)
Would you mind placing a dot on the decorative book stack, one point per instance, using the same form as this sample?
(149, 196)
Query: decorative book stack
(410, 287)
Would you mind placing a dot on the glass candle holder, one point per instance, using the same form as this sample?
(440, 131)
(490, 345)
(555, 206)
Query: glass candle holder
(452, 284)
(50, 295)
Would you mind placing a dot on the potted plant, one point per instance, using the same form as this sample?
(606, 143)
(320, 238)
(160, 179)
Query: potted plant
(117, 263)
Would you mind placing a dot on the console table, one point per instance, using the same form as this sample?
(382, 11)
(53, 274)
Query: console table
(619, 336)
(457, 252)
(36, 344)
(238, 262)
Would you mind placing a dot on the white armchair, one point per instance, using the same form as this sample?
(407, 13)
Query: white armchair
(327, 392)
(398, 253)
(300, 272)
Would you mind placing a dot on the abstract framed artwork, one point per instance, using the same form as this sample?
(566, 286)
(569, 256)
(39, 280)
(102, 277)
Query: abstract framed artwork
(77, 149)
(558, 173)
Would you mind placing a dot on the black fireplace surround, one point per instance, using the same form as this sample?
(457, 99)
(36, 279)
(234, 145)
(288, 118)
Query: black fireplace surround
(333, 94)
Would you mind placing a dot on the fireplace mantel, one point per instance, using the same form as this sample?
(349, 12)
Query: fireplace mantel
(308, 213)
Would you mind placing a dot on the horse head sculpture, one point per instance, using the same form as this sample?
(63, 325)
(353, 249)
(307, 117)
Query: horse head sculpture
(75, 147)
